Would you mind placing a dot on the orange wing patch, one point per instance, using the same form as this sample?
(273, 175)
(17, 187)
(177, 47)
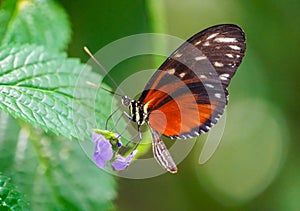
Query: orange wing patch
(155, 96)
(180, 115)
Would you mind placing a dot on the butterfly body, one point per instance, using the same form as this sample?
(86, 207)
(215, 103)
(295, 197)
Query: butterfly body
(188, 94)
(139, 112)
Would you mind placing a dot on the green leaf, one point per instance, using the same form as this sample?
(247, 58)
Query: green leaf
(49, 90)
(54, 173)
(10, 198)
(37, 21)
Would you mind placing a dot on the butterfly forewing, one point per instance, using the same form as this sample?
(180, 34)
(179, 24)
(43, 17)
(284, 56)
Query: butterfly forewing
(188, 94)
(224, 46)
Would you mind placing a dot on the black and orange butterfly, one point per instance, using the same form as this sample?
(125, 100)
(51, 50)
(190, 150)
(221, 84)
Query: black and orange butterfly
(188, 93)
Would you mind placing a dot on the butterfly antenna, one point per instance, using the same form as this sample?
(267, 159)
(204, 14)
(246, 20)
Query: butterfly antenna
(101, 87)
(103, 68)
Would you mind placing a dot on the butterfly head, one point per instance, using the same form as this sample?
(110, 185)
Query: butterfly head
(126, 100)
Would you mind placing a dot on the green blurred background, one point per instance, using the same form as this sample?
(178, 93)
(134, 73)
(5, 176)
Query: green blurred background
(256, 166)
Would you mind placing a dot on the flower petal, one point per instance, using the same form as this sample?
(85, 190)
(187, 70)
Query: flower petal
(121, 163)
(103, 150)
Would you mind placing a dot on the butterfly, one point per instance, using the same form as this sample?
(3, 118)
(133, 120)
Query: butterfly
(188, 93)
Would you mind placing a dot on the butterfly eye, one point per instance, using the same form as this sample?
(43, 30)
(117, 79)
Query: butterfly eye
(126, 100)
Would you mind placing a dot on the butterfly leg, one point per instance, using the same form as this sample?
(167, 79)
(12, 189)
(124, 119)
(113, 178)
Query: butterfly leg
(138, 128)
(139, 135)
(110, 116)
(127, 125)
(127, 115)
(139, 132)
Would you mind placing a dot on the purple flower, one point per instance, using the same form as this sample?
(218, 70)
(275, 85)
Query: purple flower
(103, 150)
(121, 163)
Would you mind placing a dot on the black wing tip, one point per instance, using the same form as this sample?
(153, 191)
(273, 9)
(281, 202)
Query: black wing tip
(226, 25)
(230, 26)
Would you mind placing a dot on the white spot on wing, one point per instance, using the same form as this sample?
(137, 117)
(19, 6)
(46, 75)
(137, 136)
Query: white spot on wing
(197, 43)
(171, 71)
(196, 133)
(229, 55)
(178, 55)
(206, 44)
(218, 95)
(203, 76)
(234, 47)
(218, 64)
(209, 86)
(182, 75)
(224, 76)
(212, 36)
(225, 39)
(198, 58)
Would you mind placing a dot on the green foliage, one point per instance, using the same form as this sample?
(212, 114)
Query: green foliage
(10, 197)
(39, 22)
(36, 85)
(47, 89)
(52, 172)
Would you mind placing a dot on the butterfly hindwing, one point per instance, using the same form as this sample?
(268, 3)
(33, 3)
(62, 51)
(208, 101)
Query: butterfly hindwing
(188, 94)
